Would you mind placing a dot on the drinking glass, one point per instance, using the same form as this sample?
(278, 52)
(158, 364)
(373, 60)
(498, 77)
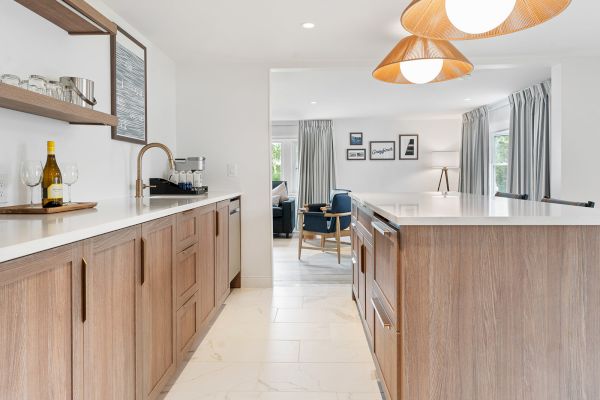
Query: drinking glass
(31, 175)
(70, 174)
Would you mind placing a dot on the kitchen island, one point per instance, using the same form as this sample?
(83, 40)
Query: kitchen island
(470, 297)
(107, 303)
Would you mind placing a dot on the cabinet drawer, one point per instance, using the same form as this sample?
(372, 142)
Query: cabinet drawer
(187, 273)
(187, 229)
(386, 272)
(386, 348)
(188, 326)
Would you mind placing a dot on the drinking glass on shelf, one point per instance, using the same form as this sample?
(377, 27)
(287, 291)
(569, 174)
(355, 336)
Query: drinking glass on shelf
(70, 174)
(31, 175)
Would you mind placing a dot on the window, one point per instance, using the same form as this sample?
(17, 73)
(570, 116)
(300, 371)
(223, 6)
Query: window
(284, 153)
(500, 161)
(276, 166)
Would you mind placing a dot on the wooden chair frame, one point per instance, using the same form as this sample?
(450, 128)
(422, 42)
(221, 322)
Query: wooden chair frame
(337, 235)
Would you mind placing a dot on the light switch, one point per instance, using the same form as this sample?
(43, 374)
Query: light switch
(232, 170)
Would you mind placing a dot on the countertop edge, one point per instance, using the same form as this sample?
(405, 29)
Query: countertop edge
(12, 252)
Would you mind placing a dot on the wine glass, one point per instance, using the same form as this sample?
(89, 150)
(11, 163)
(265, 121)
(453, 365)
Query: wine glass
(31, 175)
(70, 174)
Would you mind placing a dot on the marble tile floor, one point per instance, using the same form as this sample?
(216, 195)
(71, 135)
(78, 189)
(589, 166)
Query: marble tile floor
(299, 341)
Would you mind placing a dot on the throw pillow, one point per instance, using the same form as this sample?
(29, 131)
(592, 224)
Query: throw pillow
(275, 200)
(281, 191)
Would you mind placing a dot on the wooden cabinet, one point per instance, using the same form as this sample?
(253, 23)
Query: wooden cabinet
(206, 247)
(385, 348)
(222, 252)
(111, 317)
(188, 326)
(187, 229)
(111, 299)
(187, 274)
(40, 326)
(368, 260)
(158, 304)
(386, 273)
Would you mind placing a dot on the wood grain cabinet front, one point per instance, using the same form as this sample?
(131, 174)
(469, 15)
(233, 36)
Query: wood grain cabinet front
(222, 252)
(158, 304)
(111, 299)
(188, 327)
(187, 229)
(206, 261)
(40, 326)
(187, 274)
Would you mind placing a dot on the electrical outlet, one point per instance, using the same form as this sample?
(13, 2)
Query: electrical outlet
(3, 187)
(232, 170)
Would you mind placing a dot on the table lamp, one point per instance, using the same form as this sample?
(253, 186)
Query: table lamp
(445, 160)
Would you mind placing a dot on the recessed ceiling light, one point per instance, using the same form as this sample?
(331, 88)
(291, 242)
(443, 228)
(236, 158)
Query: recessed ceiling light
(308, 25)
(313, 102)
(468, 99)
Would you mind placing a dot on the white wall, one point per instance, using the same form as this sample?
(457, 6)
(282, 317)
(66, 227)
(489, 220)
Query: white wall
(398, 175)
(223, 114)
(575, 137)
(32, 45)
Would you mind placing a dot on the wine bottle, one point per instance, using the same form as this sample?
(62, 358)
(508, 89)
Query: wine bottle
(52, 187)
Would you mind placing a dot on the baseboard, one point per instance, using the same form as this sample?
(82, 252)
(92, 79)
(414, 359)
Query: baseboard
(257, 281)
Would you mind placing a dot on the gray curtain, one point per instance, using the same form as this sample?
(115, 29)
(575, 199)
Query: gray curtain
(316, 158)
(529, 144)
(475, 152)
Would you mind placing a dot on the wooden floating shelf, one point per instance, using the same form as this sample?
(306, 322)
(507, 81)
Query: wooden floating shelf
(23, 100)
(74, 16)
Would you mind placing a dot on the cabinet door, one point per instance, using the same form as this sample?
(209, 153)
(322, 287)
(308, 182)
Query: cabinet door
(386, 240)
(187, 274)
(40, 326)
(158, 304)
(187, 229)
(368, 259)
(188, 327)
(206, 259)
(222, 252)
(355, 266)
(111, 299)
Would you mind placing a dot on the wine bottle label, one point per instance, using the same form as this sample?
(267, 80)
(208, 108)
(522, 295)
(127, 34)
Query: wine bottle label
(55, 192)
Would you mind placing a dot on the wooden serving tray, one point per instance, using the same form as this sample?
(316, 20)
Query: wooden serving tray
(38, 209)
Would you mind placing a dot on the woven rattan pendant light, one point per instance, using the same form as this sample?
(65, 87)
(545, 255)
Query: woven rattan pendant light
(429, 18)
(413, 48)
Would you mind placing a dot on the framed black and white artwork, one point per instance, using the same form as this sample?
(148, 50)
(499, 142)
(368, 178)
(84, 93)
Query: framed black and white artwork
(356, 154)
(356, 138)
(382, 150)
(409, 147)
(129, 88)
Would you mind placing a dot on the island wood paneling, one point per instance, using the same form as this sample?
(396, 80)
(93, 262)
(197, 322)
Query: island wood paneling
(206, 248)
(500, 312)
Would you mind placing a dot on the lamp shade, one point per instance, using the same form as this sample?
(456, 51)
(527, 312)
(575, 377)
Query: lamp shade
(445, 62)
(433, 18)
(445, 159)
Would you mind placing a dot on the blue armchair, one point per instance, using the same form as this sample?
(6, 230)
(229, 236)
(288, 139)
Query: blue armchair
(327, 222)
(284, 215)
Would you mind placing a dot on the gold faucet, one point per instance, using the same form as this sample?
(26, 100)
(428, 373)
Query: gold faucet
(139, 183)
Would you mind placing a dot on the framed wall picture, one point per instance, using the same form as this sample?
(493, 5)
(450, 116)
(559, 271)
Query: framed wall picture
(356, 154)
(382, 150)
(129, 86)
(356, 139)
(409, 147)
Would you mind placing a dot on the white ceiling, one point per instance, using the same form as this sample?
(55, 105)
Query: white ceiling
(348, 31)
(332, 63)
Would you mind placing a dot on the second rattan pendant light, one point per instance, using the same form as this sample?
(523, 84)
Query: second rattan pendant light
(419, 60)
(477, 19)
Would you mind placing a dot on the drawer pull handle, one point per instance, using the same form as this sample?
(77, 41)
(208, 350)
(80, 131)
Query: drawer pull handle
(381, 315)
(216, 223)
(83, 289)
(381, 228)
(143, 260)
(362, 259)
(233, 212)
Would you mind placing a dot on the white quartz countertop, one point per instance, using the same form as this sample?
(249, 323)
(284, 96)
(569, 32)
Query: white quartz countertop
(21, 235)
(465, 209)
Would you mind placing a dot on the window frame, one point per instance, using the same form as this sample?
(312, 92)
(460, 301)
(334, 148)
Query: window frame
(493, 162)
